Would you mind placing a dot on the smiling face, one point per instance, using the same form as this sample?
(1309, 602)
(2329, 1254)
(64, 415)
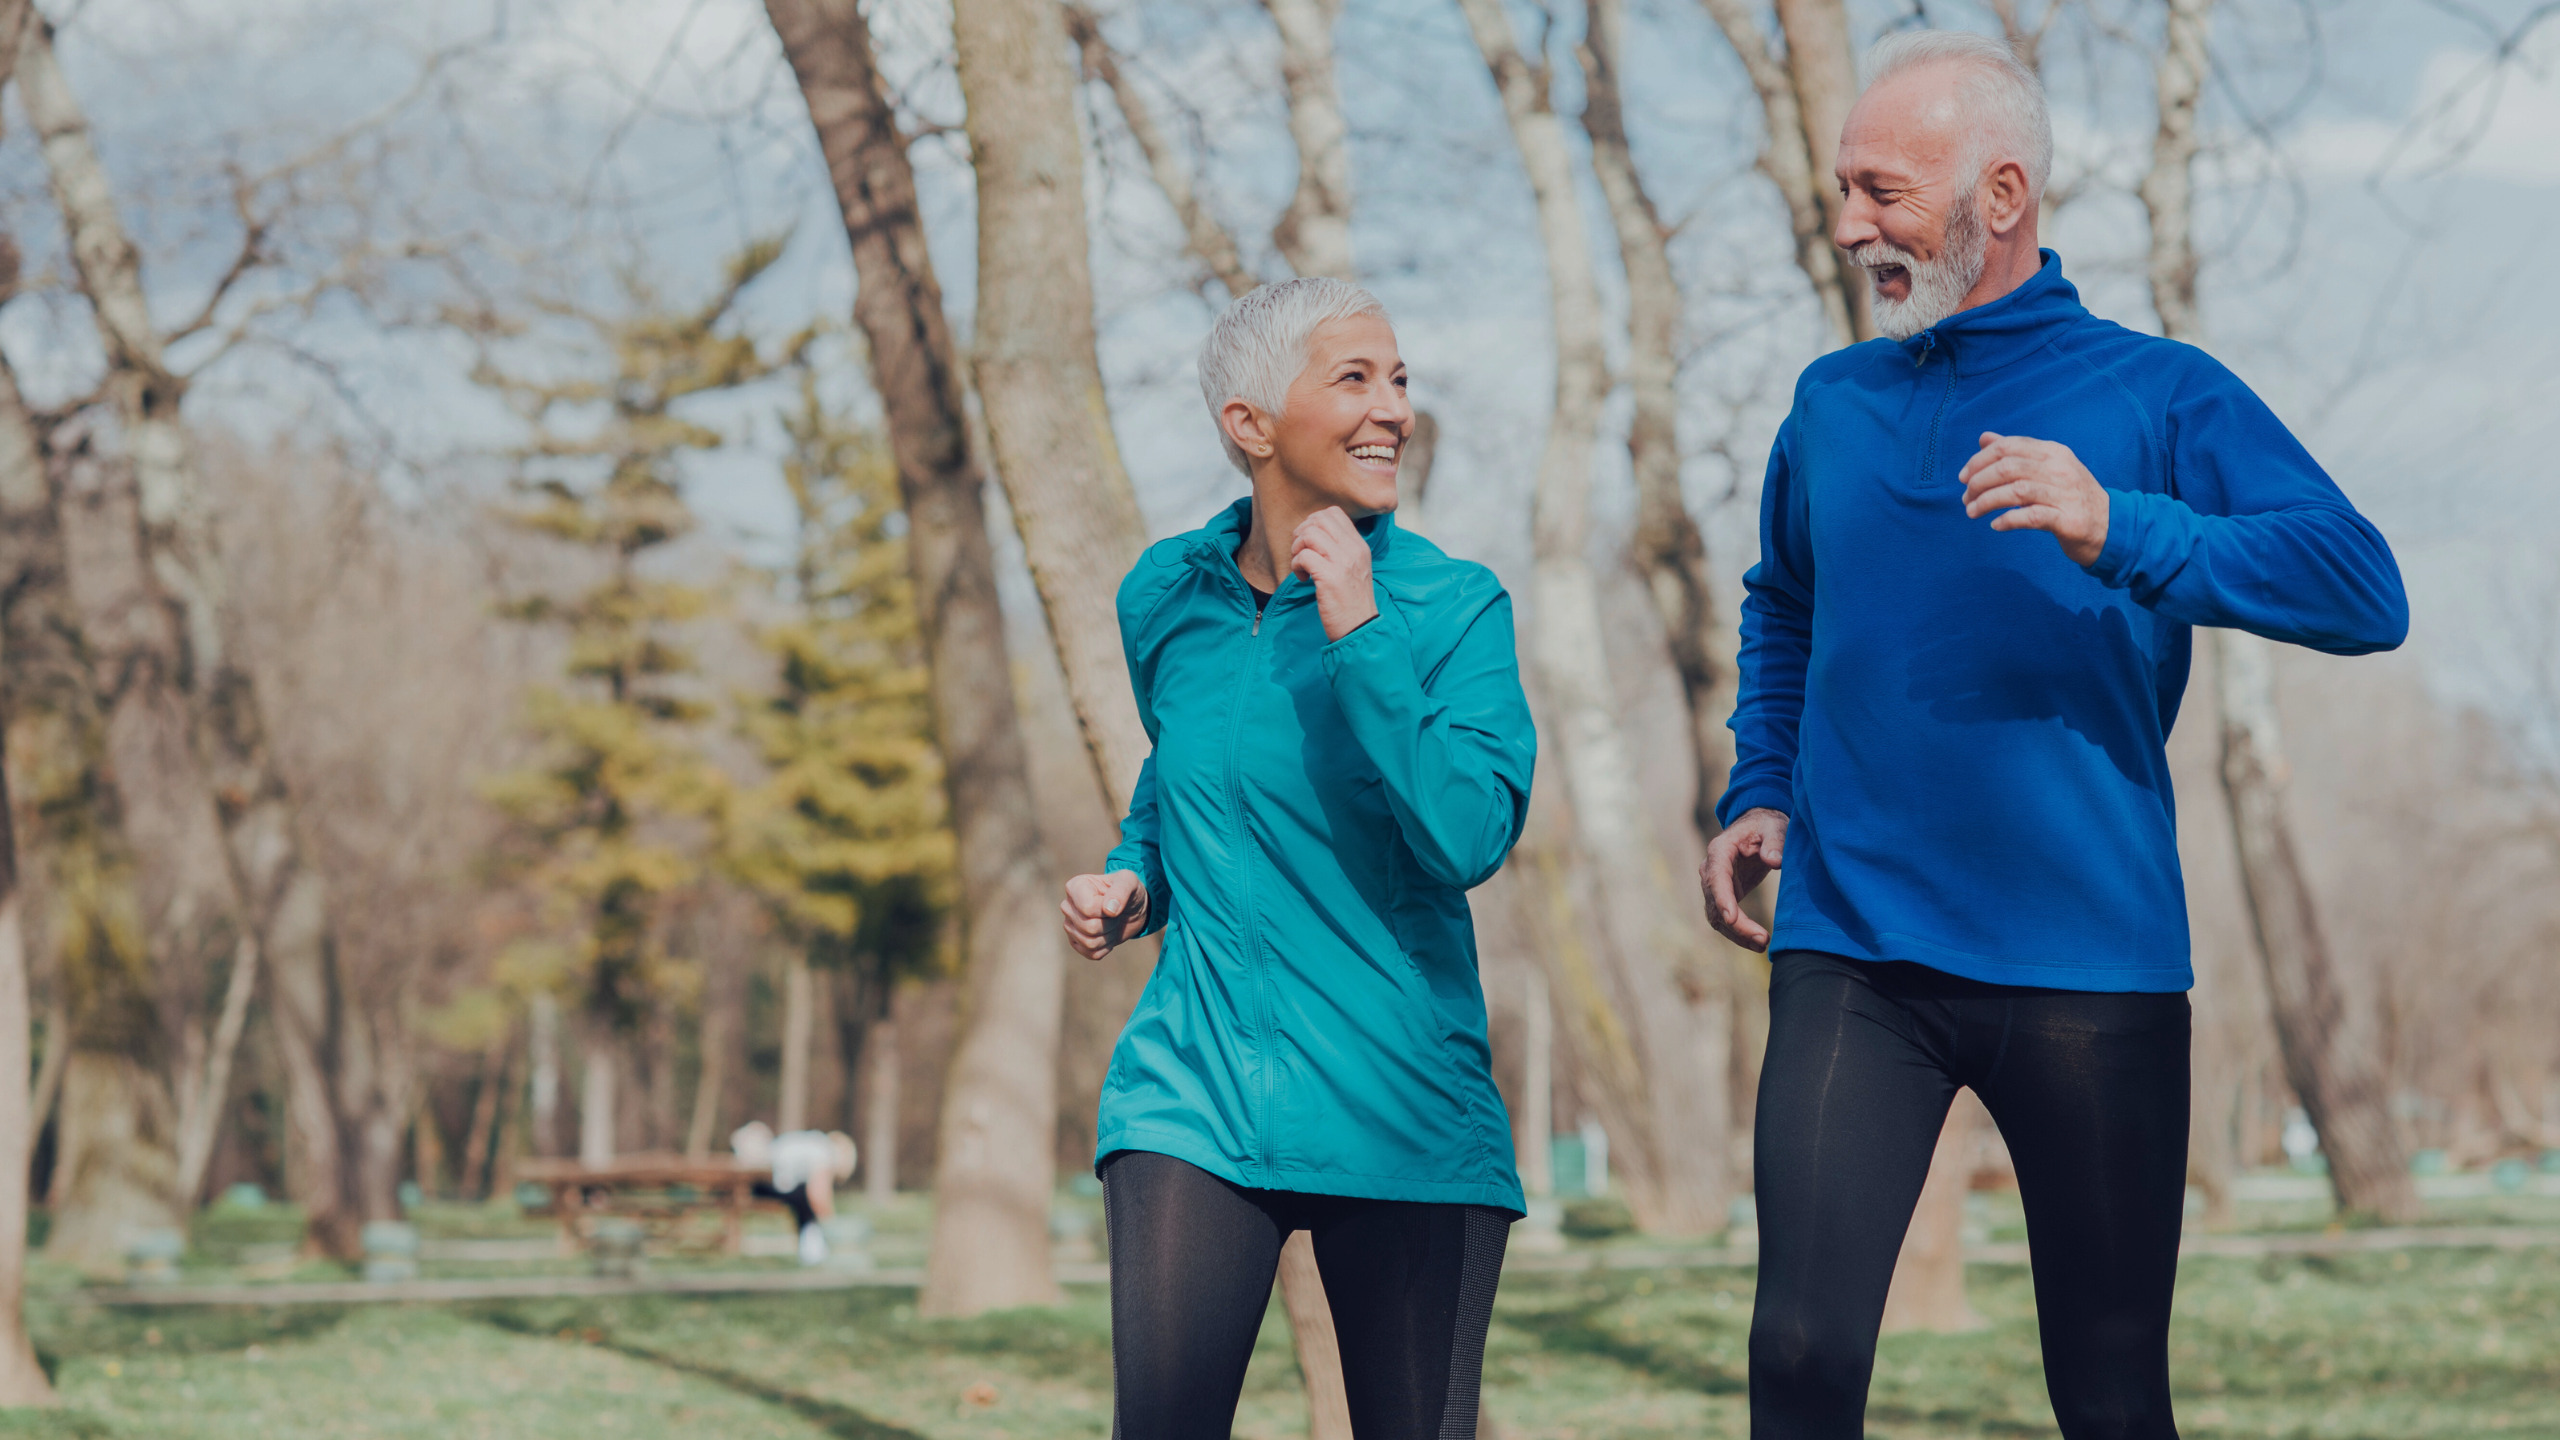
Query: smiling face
(1915, 214)
(1343, 427)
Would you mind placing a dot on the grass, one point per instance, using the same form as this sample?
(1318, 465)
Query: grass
(2426, 1344)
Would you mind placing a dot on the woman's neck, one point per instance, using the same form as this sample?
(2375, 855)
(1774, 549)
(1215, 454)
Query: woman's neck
(1264, 556)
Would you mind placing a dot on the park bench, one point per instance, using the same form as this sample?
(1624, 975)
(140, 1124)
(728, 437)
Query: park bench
(662, 1193)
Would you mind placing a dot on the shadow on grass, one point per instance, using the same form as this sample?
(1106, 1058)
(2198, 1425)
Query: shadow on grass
(1589, 1328)
(841, 1421)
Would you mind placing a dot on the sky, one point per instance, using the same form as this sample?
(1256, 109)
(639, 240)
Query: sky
(2373, 202)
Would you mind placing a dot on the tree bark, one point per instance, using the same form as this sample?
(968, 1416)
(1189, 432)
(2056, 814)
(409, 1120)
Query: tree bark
(22, 1380)
(1314, 233)
(2328, 1060)
(480, 1138)
(282, 899)
(1048, 421)
(2329, 1067)
(598, 1081)
(1319, 1349)
(1674, 1014)
(1786, 157)
(990, 1245)
(1207, 238)
(722, 1005)
(799, 1016)
(1824, 66)
(880, 1112)
(1928, 1277)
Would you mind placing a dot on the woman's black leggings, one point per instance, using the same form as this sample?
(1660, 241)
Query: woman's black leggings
(1192, 1258)
(2090, 1092)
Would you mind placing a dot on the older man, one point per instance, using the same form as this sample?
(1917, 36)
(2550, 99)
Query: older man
(1954, 728)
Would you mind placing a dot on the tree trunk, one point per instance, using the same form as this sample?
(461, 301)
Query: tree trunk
(1674, 1010)
(599, 1078)
(1048, 421)
(721, 1007)
(1787, 159)
(1314, 233)
(1824, 67)
(799, 1015)
(22, 1380)
(1928, 1277)
(282, 899)
(990, 1245)
(204, 1095)
(1319, 1349)
(1200, 230)
(116, 1168)
(2328, 1062)
(880, 1111)
(2329, 1067)
(1537, 1084)
(480, 1139)
(543, 1080)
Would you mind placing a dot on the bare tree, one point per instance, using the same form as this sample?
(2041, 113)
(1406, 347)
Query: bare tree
(1048, 421)
(2329, 1064)
(1812, 85)
(1667, 1026)
(1314, 233)
(22, 1380)
(1201, 230)
(996, 1166)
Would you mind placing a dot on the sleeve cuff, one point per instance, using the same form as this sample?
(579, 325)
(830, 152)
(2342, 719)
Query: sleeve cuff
(1756, 795)
(2128, 520)
(1159, 907)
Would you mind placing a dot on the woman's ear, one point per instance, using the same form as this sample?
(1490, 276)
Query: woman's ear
(1251, 429)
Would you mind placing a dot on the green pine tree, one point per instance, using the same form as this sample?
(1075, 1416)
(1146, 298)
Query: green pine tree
(845, 839)
(619, 807)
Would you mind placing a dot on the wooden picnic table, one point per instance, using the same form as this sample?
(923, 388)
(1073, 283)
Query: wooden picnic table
(648, 1188)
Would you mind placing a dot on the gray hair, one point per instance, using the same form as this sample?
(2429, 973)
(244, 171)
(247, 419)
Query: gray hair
(1261, 341)
(2004, 101)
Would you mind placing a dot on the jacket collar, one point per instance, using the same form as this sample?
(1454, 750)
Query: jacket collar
(2008, 329)
(1217, 540)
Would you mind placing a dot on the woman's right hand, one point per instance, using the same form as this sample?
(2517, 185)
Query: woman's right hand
(1103, 910)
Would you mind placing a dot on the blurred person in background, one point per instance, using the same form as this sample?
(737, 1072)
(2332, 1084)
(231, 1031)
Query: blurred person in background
(806, 1165)
(1954, 728)
(1341, 751)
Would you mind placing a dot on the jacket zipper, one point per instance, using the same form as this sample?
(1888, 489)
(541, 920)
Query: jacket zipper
(1928, 347)
(1252, 919)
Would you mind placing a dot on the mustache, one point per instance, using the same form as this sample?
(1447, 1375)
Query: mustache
(1876, 254)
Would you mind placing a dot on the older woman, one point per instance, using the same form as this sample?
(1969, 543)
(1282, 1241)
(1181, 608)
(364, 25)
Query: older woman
(1342, 750)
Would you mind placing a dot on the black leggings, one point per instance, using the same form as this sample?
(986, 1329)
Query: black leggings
(1192, 1258)
(2090, 1092)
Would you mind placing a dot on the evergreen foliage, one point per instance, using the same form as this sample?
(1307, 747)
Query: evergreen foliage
(845, 840)
(608, 818)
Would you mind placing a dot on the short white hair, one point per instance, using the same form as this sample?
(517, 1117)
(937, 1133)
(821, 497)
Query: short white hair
(2003, 99)
(1261, 343)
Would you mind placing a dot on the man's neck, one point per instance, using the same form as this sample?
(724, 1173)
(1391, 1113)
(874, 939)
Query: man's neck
(2011, 261)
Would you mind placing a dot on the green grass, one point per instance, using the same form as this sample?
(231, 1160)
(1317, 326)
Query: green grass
(2413, 1345)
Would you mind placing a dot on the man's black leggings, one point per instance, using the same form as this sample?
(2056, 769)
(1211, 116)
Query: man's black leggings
(1192, 1259)
(2090, 1092)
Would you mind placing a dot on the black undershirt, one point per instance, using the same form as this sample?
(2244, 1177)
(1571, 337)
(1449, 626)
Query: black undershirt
(1261, 598)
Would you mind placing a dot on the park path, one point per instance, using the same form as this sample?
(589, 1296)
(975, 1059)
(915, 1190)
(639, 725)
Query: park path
(735, 1282)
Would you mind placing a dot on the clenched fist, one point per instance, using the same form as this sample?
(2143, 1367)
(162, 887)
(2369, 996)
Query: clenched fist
(1334, 556)
(1103, 910)
(2042, 486)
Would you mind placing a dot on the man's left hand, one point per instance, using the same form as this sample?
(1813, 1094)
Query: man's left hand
(2042, 486)
(1334, 556)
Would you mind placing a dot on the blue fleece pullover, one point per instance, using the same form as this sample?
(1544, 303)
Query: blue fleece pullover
(1308, 828)
(1965, 729)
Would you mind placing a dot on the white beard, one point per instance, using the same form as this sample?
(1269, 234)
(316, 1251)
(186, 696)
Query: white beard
(1938, 287)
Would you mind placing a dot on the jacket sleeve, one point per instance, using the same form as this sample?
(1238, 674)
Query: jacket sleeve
(1455, 748)
(1139, 851)
(2252, 534)
(1777, 645)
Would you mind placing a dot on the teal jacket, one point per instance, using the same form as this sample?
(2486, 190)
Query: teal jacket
(1307, 828)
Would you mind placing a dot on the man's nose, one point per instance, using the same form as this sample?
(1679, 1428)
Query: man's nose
(1857, 222)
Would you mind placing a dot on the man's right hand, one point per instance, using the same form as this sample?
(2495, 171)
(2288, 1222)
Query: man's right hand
(1103, 910)
(1738, 859)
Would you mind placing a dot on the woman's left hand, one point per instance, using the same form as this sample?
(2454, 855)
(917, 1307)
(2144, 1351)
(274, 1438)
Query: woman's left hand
(1334, 557)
